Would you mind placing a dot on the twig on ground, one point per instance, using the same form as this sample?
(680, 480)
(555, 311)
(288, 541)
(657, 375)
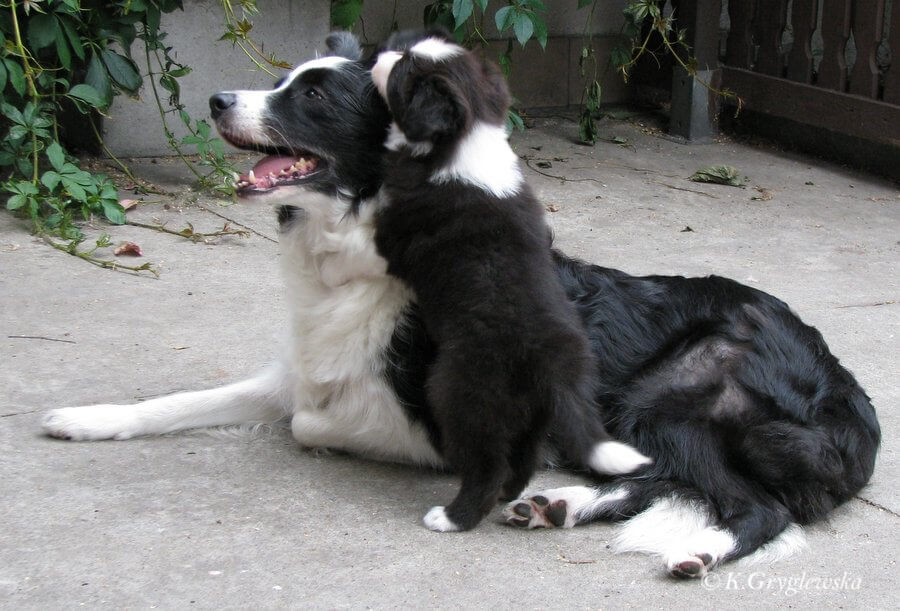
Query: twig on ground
(230, 220)
(49, 339)
(866, 305)
(656, 182)
(72, 249)
(189, 233)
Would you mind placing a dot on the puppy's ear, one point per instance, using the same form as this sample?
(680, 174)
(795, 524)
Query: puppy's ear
(343, 44)
(436, 110)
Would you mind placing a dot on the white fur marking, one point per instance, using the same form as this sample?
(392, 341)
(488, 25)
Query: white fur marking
(678, 531)
(436, 49)
(436, 519)
(790, 541)
(396, 141)
(616, 458)
(484, 159)
(381, 71)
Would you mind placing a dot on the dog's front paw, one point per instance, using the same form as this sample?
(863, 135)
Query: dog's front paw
(436, 519)
(90, 422)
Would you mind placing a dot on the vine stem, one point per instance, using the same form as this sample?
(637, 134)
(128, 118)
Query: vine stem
(32, 89)
(71, 249)
(162, 115)
(230, 19)
(125, 169)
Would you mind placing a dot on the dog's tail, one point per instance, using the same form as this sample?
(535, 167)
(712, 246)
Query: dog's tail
(583, 442)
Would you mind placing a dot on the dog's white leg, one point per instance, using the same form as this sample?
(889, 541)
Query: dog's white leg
(262, 398)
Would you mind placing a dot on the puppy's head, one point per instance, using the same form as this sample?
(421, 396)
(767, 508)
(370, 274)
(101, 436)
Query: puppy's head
(437, 91)
(320, 128)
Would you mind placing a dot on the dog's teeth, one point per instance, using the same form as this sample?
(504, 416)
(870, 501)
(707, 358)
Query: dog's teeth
(282, 172)
(251, 178)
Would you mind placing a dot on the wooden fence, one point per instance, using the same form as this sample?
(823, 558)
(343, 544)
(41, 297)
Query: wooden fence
(861, 100)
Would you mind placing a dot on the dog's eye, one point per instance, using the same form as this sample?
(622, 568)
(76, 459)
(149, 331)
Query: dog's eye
(312, 92)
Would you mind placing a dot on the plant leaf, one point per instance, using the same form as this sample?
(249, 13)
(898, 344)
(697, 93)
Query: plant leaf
(345, 13)
(523, 27)
(503, 18)
(42, 31)
(97, 78)
(114, 213)
(56, 155)
(87, 94)
(719, 174)
(50, 179)
(62, 51)
(540, 29)
(122, 70)
(72, 35)
(462, 10)
(16, 75)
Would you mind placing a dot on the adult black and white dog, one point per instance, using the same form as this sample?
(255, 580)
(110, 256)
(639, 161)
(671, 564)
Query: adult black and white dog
(753, 425)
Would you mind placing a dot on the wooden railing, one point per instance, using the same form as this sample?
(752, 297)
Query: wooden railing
(862, 100)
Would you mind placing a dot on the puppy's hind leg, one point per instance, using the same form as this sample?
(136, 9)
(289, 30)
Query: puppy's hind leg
(262, 398)
(484, 470)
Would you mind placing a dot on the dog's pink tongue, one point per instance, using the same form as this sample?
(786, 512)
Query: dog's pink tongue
(273, 164)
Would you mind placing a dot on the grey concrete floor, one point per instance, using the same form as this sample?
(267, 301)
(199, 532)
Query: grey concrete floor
(207, 521)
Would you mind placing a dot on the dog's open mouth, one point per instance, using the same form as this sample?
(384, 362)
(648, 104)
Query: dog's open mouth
(276, 171)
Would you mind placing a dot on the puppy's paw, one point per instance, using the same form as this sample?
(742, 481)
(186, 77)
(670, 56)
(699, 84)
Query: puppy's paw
(436, 519)
(90, 422)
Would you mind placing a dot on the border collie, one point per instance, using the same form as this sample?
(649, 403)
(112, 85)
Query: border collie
(753, 425)
(512, 355)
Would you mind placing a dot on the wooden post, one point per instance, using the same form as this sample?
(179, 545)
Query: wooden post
(694, 107)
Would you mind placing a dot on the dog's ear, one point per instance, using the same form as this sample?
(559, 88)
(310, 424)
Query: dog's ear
(436, 110)
(343, 44)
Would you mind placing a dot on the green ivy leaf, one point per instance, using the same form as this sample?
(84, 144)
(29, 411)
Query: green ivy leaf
(42, 31)
(72, 35)
(75, 190)
(584, 3)
(170, 85)
(12, 113)
(462, 10)
(113, 212)
(97, 78)
(523, 27)
(503, 17)
(345, 13)
(122, 70)
(88, 94)
(62, 51)
(16, 75)
(540, 29)
(153, 17)
(15, 202)
(482, 4)
(2, 76)
(56, 155)
(50, 179)
(17, 132)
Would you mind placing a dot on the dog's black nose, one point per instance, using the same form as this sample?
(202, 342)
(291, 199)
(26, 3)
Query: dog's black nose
(221, 102)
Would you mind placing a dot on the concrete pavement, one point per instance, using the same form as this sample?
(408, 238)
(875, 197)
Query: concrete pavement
(211, 521)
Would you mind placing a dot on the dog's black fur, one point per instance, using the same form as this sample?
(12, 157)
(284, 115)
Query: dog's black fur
(512, 355)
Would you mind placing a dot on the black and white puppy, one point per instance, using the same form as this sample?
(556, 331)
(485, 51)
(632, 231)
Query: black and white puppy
(513, 359)
(753, 425)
